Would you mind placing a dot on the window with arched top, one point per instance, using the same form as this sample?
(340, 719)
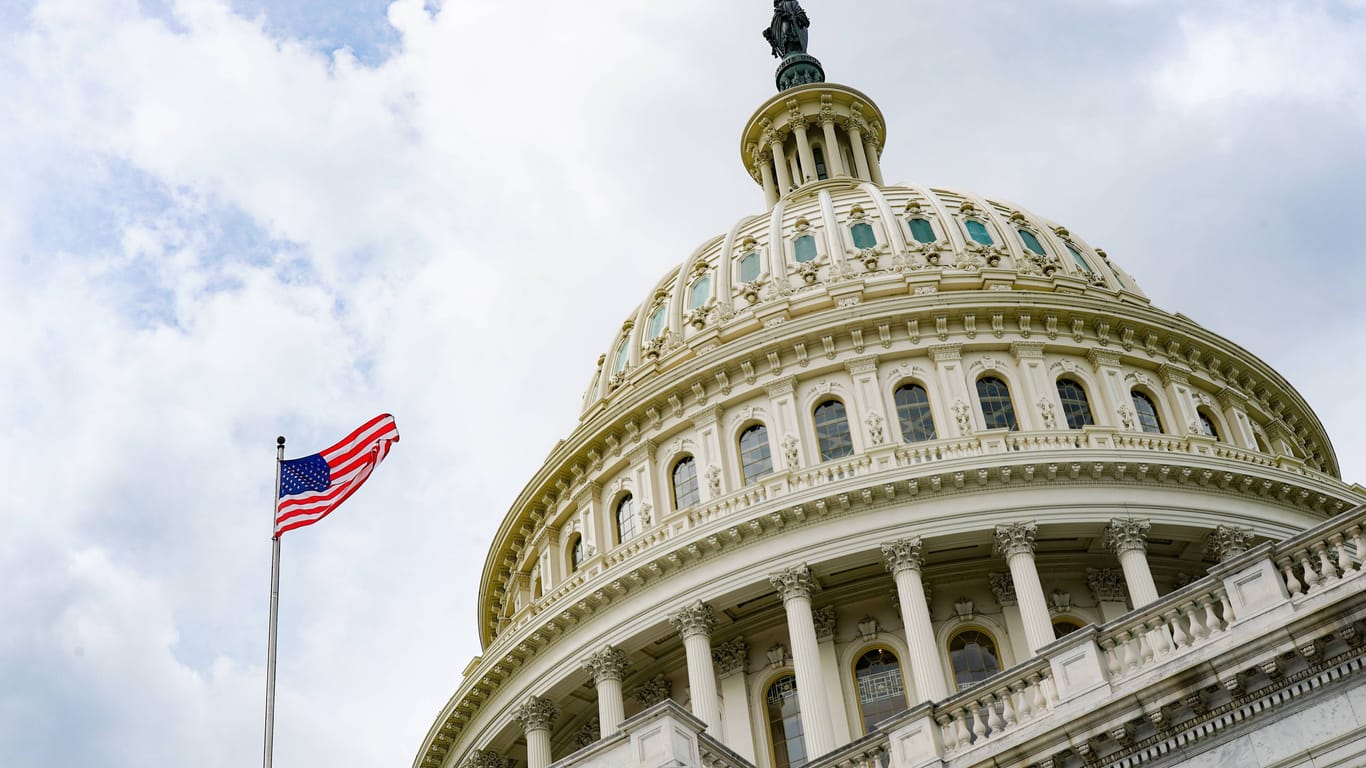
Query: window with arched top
(1146, 411)
(755, 458)
(804, 249)
(686, 492)
(626, 518)
(655, 327)
(700, 292)
(818, 154)
(913, 413)
(1207, 423)
(881, 688)
(1075, 407)
(1079, 259)
(997, 409)
(922, 230)
(785, 723)
(1032, 242)
(1064, 627)
(862, 233)
(575, 553)
(749, 267)
(978, 231)
(622, 357)
(973, 657)
(832, 430)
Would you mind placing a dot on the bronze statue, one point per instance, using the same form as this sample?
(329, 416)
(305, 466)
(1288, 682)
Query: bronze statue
(787, 32)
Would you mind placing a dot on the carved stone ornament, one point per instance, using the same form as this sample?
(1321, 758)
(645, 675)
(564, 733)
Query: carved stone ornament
(794, 582)
(868, 628)
(1015, 539)
(902, 554)
(695, 619)
(962, 414)
(1227, 542)
(654, 691)
(1050, 419)
(790, 451)
(482, 758)
(1126, 535)
(1004, 588)
(1107, 585)
(875, 432)
(537, 714)
(825, 620)
(589, 733)
(731, 656)
(1060, 601)
(777, 655)
(1127, 418)
(714, 480)
(963, 608)
(610, 663)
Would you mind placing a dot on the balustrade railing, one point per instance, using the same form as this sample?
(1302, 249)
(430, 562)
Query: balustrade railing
(1319, 558)
(1181, 621)
(996, 706)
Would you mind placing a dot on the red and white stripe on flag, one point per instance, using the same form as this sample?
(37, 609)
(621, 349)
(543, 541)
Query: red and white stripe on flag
(313, 486)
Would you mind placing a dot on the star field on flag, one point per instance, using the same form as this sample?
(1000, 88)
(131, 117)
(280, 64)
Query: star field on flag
(312, 486)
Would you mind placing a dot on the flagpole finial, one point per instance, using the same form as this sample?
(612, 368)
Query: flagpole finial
(280, 441)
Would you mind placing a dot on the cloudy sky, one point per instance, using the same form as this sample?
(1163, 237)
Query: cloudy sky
(223, 220)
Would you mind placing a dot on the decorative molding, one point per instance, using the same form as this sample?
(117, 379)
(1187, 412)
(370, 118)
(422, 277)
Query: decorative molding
(1107, 585)
(694, 619)
(731, 656)
(536, 714)
(610, 663)
(590, 732)
(1015, 539)
(1003, 587)
(876, 434)
(903, 554)
(1128, 534)
(792, 583)
(483, 758)
(1226, 542)
(825, 620)
(654, 691)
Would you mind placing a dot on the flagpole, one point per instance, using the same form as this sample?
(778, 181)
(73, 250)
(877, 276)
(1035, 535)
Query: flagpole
(274, 607)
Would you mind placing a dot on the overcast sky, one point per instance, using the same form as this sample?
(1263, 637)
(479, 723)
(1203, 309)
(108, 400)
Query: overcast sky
(225, 220)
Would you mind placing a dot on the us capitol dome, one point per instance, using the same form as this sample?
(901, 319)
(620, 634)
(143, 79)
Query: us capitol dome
(889, 475)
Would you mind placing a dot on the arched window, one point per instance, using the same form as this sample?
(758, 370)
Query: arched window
(819, 154)
(623, 356)
(972, 653)
(700, 292)
(1147, 412)
(1074, 404)
(785, 723)
(1207, 423)
(996, 406)
(881, 690)
(755, 459)
(863, 235)
(656, 324)
(922, 230)
(575, 553)
(832, 430)
(685, 483)
(1077, 257)
(913, 412)
(626, 518)
(1064, 627)
(749, 267)
(978, 231)
(804, 248)
(1031, 242)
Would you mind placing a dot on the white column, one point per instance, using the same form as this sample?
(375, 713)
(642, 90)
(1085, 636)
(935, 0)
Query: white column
(870, 142)
(1129, 540)
(1176, 382)
(780, 165)
(1016, 542)
(607, 667)
(695, 623)
(537, 715)
(1004, 589)
(826, 622)
(903, 558)
(804, 152)
(795, 586)
(771, 194)
(732, 664)
(834, 159)
(856, 148)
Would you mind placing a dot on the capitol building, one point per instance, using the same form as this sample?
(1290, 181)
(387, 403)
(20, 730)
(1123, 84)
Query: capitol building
(895, 476)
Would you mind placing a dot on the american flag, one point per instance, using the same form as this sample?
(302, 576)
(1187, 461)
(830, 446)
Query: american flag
(311, 487)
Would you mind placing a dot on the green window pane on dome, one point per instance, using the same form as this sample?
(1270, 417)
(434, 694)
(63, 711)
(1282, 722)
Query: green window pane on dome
(1077, 257)
(863, 236)
(749, 267)
(978, 231)
(922, 231)
(701, 291)
(1031, 242)
(804, 249)
(619, 364)
(656, 326)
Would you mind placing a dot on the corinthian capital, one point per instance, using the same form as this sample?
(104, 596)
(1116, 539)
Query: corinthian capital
(1227, 542)
(1127, 534)
(537, 714)
(610, 663)
(481, 758)
(731, 656)
(903, 554)
(1015, 539)
(794, 582)
(695, 619)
